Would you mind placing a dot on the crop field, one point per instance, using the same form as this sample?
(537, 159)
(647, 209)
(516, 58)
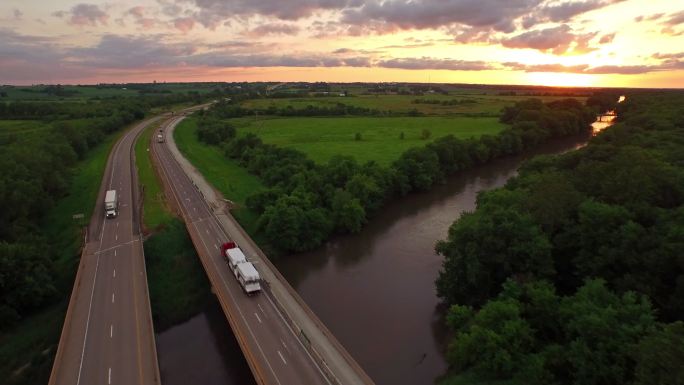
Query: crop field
(322, 138)
(470, 104)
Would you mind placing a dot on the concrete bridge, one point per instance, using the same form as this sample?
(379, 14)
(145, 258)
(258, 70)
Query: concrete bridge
(282, 339)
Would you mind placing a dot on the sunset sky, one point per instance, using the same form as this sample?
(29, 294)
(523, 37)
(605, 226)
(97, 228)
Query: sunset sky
(635, 43)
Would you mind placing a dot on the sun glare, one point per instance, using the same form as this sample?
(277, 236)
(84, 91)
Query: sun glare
(560, 79)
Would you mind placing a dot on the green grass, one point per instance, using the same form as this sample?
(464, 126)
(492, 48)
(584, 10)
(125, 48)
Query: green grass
(226, 175)
(178, 285)
(155, 209)
(322, 138)
(18, 126)
(234, 182)
(60, 227)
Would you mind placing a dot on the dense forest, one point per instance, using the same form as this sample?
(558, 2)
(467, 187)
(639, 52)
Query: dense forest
(37, 167)
(305, 203)
(573, 273)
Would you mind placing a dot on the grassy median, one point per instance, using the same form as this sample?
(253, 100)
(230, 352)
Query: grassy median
(155, 209)
(177, 282)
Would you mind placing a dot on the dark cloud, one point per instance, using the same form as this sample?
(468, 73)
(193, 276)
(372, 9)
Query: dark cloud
(668, 56)
(557, 40)
(84, 15)
(115, 51)
(561, 12)
(214, 12)
(674, 19)
(274, 29)
(18, 14)
(655, 16)
(425, 63)
(184, 24)
(423, 14)
(219, 59)
(138, 14)
(607, 38)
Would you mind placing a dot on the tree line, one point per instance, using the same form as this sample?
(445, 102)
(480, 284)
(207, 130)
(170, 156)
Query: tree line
(305, 203)
(573, 272)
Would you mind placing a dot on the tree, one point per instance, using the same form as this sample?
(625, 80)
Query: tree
(485, 248)
(660, 356)
(348, 214)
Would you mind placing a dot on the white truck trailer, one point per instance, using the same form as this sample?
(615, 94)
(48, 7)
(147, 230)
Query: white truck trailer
(248, 277)
(244, 271)
(160, 138)
(111, 204)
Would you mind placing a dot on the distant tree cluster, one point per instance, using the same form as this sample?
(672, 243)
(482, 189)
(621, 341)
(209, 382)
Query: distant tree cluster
(305, 202)
(569, 273)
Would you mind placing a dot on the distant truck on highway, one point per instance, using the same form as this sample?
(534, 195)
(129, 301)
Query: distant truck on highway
(160, 138)
(244, 271)
(111, 204)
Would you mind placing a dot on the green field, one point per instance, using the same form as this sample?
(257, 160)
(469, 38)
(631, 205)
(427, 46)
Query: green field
(155, 210)
(489, 105)
(322, 138)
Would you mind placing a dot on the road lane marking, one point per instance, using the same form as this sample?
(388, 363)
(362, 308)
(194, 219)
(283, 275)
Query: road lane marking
(257, 316)
(109, 381)
(206, 231)
(281, 357)
(216, 247)
(117, 225)
(298, 340)
(285, 346)
(261, 308)
(114, 274)
(111, 331)
(116, 237)
(112, 297)
(244, 320)
(115, 252)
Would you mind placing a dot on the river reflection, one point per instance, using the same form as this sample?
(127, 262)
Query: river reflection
(202, 351)
(375, 290)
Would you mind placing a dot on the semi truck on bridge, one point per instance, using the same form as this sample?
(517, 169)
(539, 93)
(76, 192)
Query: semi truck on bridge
(111, 204)
(244, 271)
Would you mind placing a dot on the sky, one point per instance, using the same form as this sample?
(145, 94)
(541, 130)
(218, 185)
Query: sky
(602, 43)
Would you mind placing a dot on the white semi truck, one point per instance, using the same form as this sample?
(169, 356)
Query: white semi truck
(111, 204)
(244, 271)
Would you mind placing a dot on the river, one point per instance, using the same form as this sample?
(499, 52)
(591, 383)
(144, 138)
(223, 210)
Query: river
(374, 290)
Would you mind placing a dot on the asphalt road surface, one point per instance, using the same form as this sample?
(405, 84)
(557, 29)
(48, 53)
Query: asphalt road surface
(273, 351)
(108, 337)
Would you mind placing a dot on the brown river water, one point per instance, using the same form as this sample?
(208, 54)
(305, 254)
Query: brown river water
(374, 290)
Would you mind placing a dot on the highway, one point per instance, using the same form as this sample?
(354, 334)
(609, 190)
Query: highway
(108, 336)
(273, 351)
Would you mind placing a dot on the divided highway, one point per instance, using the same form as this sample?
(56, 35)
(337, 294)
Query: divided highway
(273, 351)
(108, 336)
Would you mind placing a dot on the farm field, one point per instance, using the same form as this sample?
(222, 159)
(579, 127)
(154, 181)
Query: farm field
(476, 104)
(323, 138)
